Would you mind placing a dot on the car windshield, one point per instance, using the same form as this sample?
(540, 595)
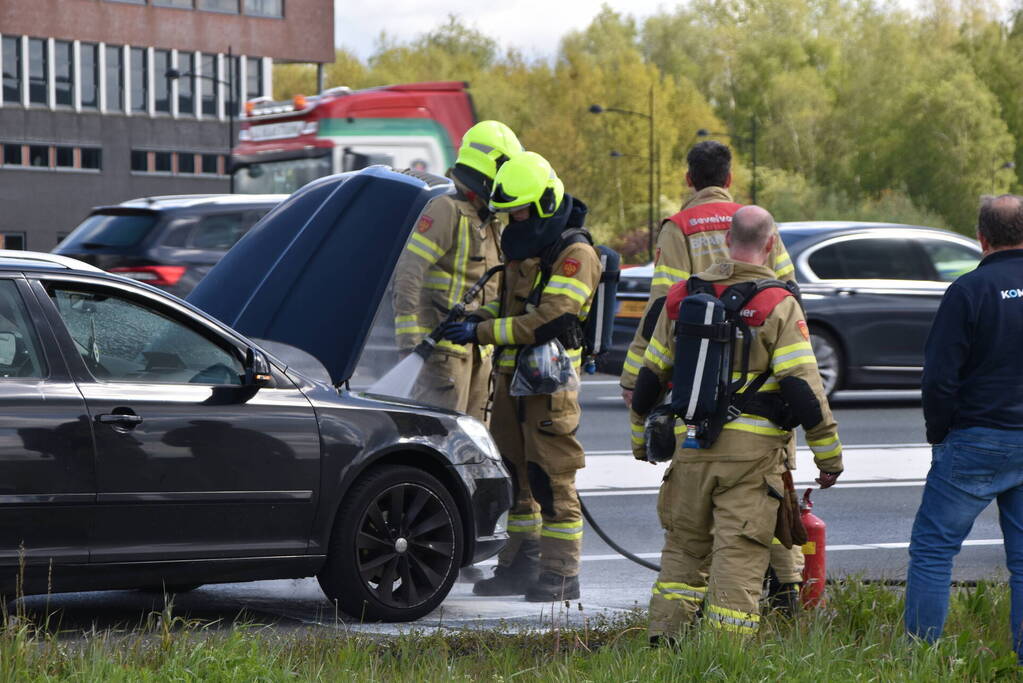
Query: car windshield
(113, 229)
(280, 177)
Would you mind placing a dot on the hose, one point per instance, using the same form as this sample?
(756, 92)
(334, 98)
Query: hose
(614, 546)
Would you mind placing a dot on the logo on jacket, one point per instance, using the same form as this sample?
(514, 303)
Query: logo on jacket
(803, 329)
(1012, 293)
(570, 267)
(425, 223)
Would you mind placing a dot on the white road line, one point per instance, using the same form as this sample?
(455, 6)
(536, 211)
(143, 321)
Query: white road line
(830, 549)
(588, 493)
(600, 382)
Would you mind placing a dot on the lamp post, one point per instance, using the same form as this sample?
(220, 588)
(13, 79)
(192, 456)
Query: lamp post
(752, 140)
(651, 157)
(174, 74)
(1003, 167)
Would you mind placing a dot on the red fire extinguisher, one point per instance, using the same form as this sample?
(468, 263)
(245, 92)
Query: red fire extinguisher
(815, 569)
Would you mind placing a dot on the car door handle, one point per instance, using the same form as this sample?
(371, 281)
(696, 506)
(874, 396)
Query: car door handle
(128, 420)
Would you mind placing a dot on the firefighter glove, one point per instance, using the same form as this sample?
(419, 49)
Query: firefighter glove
(827, 479)
(459, 332)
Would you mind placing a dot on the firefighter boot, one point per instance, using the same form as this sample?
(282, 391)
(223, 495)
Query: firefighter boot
(516, 577)
(551, 587)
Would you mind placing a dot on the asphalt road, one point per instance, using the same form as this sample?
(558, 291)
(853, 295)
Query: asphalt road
(869, 522)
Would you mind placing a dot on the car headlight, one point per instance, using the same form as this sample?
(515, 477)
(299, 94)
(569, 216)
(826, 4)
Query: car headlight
(480, 436)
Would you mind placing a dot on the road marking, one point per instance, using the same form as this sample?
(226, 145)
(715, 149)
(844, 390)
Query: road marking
(601, 382)
(588, 493)
(830, 549)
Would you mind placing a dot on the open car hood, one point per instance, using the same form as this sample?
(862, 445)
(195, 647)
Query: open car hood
(313, 271)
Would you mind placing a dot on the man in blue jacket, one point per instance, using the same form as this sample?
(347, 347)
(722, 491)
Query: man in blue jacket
(973, 408)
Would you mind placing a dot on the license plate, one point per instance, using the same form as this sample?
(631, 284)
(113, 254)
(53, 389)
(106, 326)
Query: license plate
(631, 309)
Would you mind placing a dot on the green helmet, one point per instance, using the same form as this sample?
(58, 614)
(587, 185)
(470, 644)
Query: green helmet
(527, 180)
(486, 146)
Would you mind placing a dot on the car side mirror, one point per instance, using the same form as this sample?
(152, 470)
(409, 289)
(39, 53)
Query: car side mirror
(257, 369)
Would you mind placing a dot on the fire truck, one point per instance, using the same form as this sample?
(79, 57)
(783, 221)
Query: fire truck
(284, 145)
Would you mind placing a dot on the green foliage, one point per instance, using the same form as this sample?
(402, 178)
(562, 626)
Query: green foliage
(863, 110)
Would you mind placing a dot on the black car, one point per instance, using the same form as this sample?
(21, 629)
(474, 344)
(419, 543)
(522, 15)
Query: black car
(870, 291)
(144, 443)
(170, 242)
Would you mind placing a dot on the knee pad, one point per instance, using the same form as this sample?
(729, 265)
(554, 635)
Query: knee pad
(802, 401)
(540, 484)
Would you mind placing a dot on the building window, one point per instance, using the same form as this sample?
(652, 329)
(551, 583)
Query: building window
(92, 158)
(186, 162)
(161, 84)
(64, 73)
(90, 75)
(209, 88)
(37, 71)
(12, 240)
(12, 155)
(139, 160)
(181, 4)
(253, 77)
(186, 84)
(12, 69)
(209, 163)
(229, 6)
(65, 157)
(162, 162)
(39, 155)
(139, 79)
(264, 8)
(115, 78)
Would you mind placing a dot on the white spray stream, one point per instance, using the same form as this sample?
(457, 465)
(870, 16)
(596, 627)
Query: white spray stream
(399, 380)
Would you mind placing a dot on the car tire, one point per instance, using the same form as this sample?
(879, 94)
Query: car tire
(830, 361)
(396, 547)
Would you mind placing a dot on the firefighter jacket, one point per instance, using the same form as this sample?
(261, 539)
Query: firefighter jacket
(513, 322)
(448, 252)
(780, 344)
(690, 242)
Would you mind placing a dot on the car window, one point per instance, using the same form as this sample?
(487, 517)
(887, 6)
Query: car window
(20, 354)
(950, 259)
(121, 340)
(116, 229)
(868, 259)
(218, 231)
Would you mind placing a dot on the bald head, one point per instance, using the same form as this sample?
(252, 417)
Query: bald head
(1000, 223)
(751, 237)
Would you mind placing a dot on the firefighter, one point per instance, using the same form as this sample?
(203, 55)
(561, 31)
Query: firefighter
(456, 240)
(719, 505)
(551, 273)
(689, 242)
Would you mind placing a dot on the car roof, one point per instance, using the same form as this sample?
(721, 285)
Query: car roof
(814, 228)
(188, 201)
(11, 259)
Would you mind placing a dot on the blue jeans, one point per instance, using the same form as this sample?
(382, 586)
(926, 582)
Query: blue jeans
(969, 469)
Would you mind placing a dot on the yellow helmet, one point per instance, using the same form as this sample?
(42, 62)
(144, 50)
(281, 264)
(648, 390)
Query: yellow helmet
(527, 180)
(486, 146)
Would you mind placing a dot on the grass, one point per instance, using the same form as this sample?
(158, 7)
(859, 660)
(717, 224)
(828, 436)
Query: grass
(857, 637)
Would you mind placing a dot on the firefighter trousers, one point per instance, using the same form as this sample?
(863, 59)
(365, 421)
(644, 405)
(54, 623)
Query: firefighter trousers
(456, 381)
(721, 515)
(536, 437)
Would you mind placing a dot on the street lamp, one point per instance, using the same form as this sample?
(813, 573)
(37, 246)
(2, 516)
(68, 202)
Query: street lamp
(651, 157)
(174, 74)
(752, 140)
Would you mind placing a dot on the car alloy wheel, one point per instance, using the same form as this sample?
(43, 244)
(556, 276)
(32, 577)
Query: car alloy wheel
(397, 547)
(829, 359)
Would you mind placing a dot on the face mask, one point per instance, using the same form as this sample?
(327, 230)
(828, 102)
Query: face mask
(527, 239)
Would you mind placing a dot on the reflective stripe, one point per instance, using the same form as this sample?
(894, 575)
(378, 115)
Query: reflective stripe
(680, 428)
(424, 247)
(827, 447)
(574, 289)
(657, 353)
(409, 324)
(576, 356)
(637, 434)
(770, 384)
(665, 275)
(679, 591)
(731, 619)
(791, 355)
(783, 267)
(566, 531)
(451, 346)
(524, 524)
(633, 360)
(493, 308)
(437, 279)
(506, 359)
(804, 358)
(504, 331)
(458, 284)
(755, 425)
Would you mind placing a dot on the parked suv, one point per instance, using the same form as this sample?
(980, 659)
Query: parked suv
(170, 242)
(145, 443)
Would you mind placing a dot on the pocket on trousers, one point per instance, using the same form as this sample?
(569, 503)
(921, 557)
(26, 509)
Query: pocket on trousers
(763, 513)
(974, 467)
(562, 418)
(664, 500)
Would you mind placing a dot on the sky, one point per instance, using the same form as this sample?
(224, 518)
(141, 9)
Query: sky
(534, 27)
